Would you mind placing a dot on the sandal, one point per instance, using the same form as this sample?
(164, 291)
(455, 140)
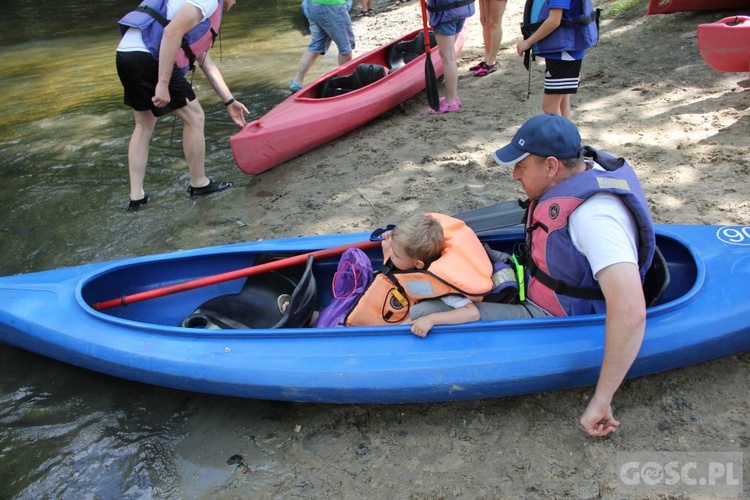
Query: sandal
(481, 64)
(369, 13)
(486, 69)
(445, 107)
(211, 187)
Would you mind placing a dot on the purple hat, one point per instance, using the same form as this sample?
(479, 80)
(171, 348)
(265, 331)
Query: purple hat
(542, 135)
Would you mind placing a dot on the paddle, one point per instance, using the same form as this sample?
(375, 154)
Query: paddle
(430, 80)
(483, 219)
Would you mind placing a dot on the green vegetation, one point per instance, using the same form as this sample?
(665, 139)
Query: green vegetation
(621, 6)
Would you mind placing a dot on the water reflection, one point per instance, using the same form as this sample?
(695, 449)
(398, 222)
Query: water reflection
(64, 432)
(64, 130)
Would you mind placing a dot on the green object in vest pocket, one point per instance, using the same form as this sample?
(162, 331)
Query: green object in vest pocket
(520, 278)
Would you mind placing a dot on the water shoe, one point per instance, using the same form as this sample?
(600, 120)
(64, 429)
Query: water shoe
(211, 187)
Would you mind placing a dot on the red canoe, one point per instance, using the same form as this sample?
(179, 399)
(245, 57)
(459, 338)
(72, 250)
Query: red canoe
(305, 121)
(725, 44)
(669, 6)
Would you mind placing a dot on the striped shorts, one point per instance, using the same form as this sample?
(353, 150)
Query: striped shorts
(562, 77)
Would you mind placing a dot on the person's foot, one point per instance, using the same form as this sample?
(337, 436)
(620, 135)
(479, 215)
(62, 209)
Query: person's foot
(295, 87)
(136, 205)
(476, 67)
(486, 69)
(211, 187)
(445, 107)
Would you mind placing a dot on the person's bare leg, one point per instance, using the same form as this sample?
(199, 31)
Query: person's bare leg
(446, 46)
(565, 110)
(346, 58)
(551, 103)
(494, 31)
(138, 148)
(305, 63)
(194, 142)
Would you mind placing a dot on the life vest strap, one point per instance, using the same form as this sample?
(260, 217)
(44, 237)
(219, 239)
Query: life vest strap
(528, 29)
(164, 22)
(562, 288)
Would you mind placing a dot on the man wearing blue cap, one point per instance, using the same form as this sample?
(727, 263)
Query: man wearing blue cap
(590, 241)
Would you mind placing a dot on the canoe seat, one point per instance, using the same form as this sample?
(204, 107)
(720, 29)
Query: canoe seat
(363, 75)
(656, 280)
(404, 52)
(255, 305)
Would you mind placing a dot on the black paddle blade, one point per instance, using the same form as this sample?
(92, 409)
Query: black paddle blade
(431, 87)
(493, 217)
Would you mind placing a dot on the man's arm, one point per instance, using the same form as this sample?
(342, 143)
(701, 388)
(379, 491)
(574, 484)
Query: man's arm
(186, 18)
(624, 329)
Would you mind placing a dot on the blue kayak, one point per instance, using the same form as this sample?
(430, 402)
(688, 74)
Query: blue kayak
(703, 314)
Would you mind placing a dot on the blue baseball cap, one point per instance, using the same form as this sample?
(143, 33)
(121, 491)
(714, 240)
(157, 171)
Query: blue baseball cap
(543, 135)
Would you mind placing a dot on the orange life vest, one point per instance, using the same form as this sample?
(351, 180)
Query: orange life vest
(463, 268)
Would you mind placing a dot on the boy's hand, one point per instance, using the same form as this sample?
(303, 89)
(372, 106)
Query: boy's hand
(422, 326)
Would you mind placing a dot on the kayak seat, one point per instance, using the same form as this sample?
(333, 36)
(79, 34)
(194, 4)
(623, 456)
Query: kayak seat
(656, 280)
(363, 75)
(406, 51)
(255, 306)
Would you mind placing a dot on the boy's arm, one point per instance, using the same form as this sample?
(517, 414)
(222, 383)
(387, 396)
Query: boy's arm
(464, 314)
(548, 26)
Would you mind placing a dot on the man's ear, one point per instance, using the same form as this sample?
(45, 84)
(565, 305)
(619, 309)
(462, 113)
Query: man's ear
(552, 165)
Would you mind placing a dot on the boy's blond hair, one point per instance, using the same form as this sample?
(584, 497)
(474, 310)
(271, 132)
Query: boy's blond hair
(420, 237)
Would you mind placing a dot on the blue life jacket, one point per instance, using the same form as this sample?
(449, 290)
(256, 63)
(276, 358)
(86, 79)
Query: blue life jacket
(150, 18)
(578, 30)
(442, 11)
(559, 277)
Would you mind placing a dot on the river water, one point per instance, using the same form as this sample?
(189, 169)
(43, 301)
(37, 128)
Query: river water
(65, 432)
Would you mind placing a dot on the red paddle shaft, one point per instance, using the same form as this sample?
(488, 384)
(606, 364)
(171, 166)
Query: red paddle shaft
(426, 29)
(228, 276)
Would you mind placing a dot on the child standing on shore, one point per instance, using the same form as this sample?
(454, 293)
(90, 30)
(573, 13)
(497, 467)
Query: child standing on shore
(447, 18)
(561, 34)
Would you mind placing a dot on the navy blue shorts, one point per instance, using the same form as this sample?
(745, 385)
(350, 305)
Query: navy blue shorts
(139, 72)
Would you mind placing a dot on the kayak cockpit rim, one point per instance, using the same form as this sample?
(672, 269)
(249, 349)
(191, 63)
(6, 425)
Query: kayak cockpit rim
(686, 266)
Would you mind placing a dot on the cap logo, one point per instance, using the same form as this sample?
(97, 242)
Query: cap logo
(521, 142)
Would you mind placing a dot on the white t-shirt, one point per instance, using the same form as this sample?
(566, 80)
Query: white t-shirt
(455, 301)
(603, 229)
(132, 41)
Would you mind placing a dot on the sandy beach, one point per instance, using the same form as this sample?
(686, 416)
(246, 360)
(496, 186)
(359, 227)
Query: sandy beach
(647, 95)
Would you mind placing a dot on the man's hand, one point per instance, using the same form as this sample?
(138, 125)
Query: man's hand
(598, 419)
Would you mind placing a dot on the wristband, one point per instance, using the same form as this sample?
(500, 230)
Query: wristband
(230, 101)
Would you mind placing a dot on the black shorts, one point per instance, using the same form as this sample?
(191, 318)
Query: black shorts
(139, 72)
(562, 77)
